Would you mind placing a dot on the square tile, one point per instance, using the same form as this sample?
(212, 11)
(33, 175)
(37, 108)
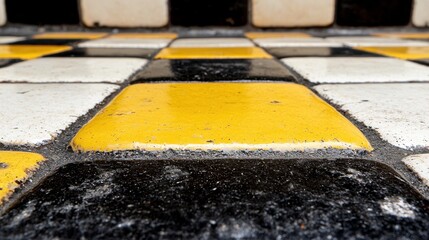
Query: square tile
(256, 35)
(295, 42)
(131, 13)
(29, 51)
(398, 112)
(373, 12)
(420, 16)
(109, 52)
(126, 43)
(66, 69)
(420, 165)
(214, 70)
(157, 35)
(211, 42)
(41, 12)
(33, 114)
(70, 35)
(212, 53)
(293, 13)
(411, 53)
(357, 70)
(10, 39)
(286, 52)
(15, 168)
(209, 13)
(218, 116)
(375, 41)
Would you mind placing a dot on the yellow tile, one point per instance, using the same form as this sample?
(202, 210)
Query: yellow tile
(218, 116)
(410, 53)
(404, 35)
(212, 53)
(254, 35)
(15, 167)
(145, 35)
(70, 35)
(30, 51)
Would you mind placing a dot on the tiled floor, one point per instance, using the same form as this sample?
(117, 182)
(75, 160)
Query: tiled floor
(293, 130)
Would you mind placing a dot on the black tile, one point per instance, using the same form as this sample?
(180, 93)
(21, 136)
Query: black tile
(213, 70)
(208, 12)
(317, 52)
(47, 42)
(38, 12)
(108, 52)
(7, 62)
(221, 199)
(373, 12)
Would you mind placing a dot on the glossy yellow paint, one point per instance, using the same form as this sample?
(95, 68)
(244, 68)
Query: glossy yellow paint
(70, 35)
(15, 167)
(30, 51)
(254, 35)
(218, 116)
(408, 53)
(421, 35)
(212, 53)
(145, 35)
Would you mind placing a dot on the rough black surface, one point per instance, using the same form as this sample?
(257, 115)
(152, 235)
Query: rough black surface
(108, 52)
(373, 12)
(47, 42)
(208, 12)
(285, 52)
(42, 11)
(227, 199)
(213, 70)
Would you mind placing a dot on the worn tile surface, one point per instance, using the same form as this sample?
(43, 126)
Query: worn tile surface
(15, 167)
(116, 13)
(412, 53)
(68, 69)
(292, 13)
(211, 42)
(249, 199)
(29, 51)
(420, 165)
(375, 41)
(284, 52)
(357, 70)
(214, 70)
(218, 116)
(126, 43)
(398, 112)
(212, 53)
(295, 42)
(36, 113)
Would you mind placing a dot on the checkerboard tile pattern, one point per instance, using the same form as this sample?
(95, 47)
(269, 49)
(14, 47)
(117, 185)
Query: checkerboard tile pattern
(277, 93)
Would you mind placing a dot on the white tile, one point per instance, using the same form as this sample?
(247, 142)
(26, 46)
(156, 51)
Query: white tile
(211, 43)
(420, 16)
(35, 113)
(113, 70)
(375, 42)
(120, 13)
(292, 13)
(420, 165)
(3, 18)
(10, 39)
(357, 69)
(398, 112)
(295, 42)
(126, 43)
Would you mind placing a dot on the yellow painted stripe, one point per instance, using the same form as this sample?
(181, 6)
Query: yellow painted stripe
(408, 53)
(29, 51)
(145, 35)
(423, 35)
(254, 35)
(213, 53)
(15, 168)
(70, 35)
(218, 116)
